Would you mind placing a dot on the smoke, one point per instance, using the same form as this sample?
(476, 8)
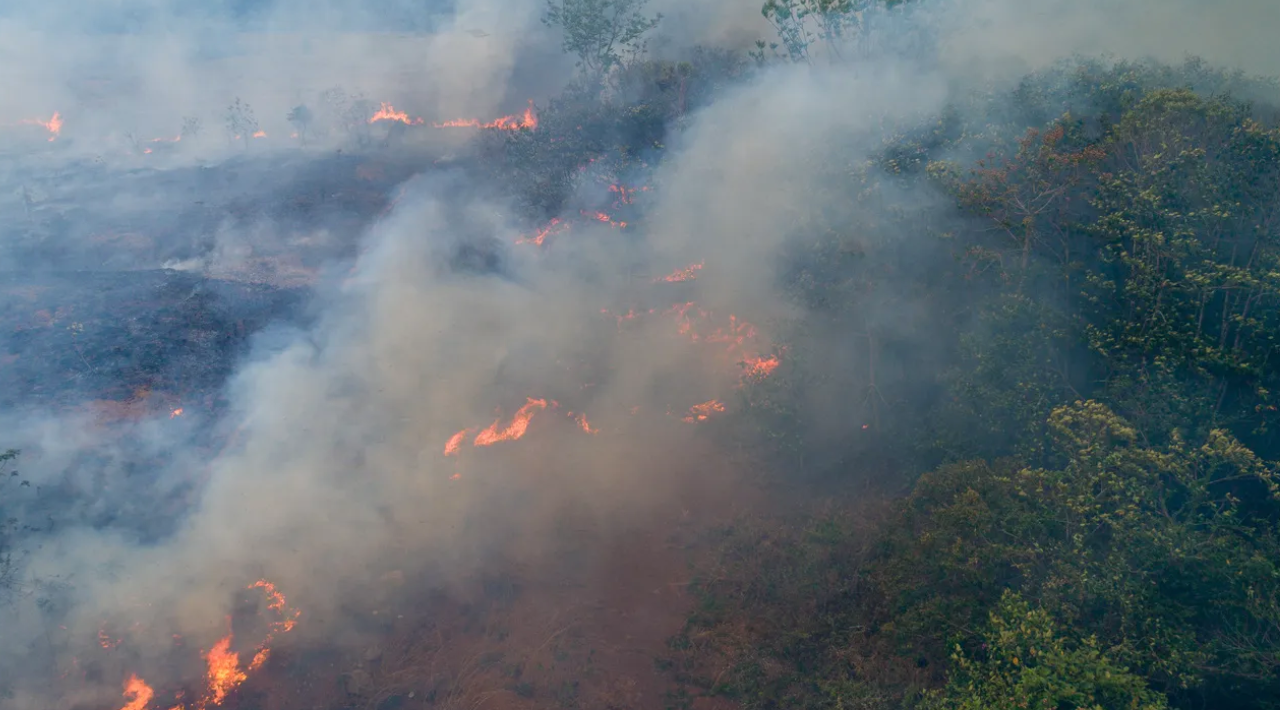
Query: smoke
(337, 475)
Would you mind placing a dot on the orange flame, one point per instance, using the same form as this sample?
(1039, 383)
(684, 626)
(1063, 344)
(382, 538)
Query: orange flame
(259, 134)
(53, 125)
(175, 413)
(105, 640)
(755, 366)
(387, 112)
(585, 425)
(700, 412)
(454, 444)
(224, 670)
(529, 119)
(555, 226)
(516, 429)
(602, 217)
(277, 603)
(137, 693)
(688, 273)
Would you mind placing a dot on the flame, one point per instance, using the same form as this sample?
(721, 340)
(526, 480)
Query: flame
(175, 413)
(585, 425)
(387, 112)
(277, 603)
(137, 693)
(174, 139)
(454, 444)
(700, 412)
(259, 134)
(53, 125)
(529, 119)
(755, 366)
(688, 273)
(224, 670)
(555, 226)
(105, 640)
(516, 429)
(603, 217)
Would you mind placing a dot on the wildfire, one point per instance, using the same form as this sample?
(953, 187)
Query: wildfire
(387, 112)
(700, 412)
(756, 366)
(137, 693)
(175, 413)
(603, 217)
(585, 425)
(224, 670)
(555, 226)
(454, 444)
(105, 640)
(688, 273)
(529, 119)
(516, 429)
(53, 125)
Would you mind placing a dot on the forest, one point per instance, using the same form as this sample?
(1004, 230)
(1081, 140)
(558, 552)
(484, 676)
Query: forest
(1067, 496)
(1043, 319)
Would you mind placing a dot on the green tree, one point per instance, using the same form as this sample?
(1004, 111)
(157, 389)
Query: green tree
(601, 33)
(1027, 662)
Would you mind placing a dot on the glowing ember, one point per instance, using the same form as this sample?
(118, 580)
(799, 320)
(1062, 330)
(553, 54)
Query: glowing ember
(555, 226)
(529, 119)
(387, 112)
(626, 195)
(277, 603)
(105, 640)
(604, 218)
(137, 693)
(688, 273)
(224, 670)
(755, 366)
(516, 429)
(175, 413)
(53, 125)
(700, 412)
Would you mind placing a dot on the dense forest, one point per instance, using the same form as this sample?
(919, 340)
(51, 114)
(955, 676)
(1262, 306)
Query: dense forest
(1066, 495)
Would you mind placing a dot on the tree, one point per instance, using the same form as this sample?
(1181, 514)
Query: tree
(801, 24)
(301, 118)
(241, 122)
(1028, 662)
(602, 33)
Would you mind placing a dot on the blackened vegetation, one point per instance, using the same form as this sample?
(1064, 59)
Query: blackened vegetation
(73, 337)
(91, 217)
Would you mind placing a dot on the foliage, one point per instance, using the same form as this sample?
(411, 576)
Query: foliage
(603, 34)
(803, 24)
(301, 117)
(1027, 662)
(241, 123)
